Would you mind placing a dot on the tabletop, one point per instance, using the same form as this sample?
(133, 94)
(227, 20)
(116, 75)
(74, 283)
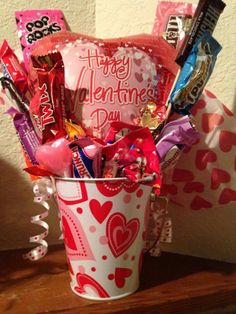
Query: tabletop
(170, 283)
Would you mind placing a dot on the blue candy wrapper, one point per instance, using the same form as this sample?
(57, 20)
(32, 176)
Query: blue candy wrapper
(194, 75)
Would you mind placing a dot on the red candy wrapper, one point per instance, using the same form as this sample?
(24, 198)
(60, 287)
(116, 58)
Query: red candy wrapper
(173, 21)
(136, 156)
(33, 25)
(12, 69)
(118, 130)
(47, 107)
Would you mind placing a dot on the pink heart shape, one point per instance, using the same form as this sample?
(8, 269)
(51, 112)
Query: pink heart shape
(56, 157)
(121, 234)
(100, 212)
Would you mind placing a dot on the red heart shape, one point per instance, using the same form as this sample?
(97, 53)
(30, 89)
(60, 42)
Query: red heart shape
(227, 195)
(210, 121)
(100, 212)
(121, 234)
(227, 140)
(120, 275)
(84, 280)
(68, 237)
(182, 175)
(193, 187)
(218, 176)
(203, 157)
(199, 203)
(76, 242)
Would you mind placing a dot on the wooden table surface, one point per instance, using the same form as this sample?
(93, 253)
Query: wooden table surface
(170, 284)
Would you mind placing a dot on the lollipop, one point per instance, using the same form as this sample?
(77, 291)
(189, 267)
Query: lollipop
(55, 157)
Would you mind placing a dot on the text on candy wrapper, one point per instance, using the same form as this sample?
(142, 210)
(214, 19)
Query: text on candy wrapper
(46, 106)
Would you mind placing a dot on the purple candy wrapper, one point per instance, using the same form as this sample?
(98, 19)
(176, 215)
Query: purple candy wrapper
(175, 133)
(26, 133)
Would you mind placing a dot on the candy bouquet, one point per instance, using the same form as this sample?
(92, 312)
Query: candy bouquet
(102, 124)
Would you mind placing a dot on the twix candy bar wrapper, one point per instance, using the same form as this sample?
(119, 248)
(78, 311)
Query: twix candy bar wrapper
(47, 108)
(173, 21)
(33, 25)
(205, 19)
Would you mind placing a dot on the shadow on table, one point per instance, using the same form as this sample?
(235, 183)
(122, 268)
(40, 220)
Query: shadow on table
(169, 267)
(13, 268)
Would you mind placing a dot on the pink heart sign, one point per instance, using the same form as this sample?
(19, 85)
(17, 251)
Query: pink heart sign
(121, 234)
(111, 80)
(104, 88)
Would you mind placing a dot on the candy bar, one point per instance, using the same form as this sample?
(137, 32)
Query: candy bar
(14, 95)
(33, 25)
(26, 133)
(12, 69)
(173, 21)
(205, 19)
(177, 132)
(48, 105)
(86, 158)
(194, 74)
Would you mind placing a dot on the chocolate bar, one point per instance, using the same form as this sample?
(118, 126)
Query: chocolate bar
(205, 19)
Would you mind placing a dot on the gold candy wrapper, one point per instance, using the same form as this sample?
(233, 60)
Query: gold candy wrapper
(73, 130)
(152, 116)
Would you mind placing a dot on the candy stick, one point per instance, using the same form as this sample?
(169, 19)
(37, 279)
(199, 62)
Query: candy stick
(14, 94)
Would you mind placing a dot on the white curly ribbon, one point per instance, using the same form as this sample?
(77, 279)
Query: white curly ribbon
(43, 189)
(160, 226)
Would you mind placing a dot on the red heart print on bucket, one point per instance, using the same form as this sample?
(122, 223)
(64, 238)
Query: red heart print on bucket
(120, 275)
(100, 212)
(121, 234)
(84, 281)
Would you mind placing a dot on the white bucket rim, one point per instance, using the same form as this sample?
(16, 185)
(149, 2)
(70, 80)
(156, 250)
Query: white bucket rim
(68, 179)
(90, 179)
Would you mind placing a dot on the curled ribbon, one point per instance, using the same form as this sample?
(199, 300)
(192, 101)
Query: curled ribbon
(160, 226)
(43, 191)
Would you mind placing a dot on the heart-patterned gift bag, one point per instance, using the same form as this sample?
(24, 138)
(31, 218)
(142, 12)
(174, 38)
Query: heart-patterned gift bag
(205, 175)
